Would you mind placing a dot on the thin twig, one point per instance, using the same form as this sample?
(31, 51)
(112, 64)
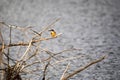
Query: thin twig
(35, 53)
(15, 27)
(65, 71)
(66, 59)
(1, 46)
(32, 64)
(74, 49)
(13, 60)
(30, 43)
(44, 73)
(10, 35)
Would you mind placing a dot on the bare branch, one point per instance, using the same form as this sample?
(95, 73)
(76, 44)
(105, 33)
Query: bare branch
(65, 71)
(44, 73)
(66, 77)
(66, 59)
(26, 43)
(30, 43)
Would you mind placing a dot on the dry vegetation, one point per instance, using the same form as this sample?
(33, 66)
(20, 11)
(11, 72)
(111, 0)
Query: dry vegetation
(30, 62)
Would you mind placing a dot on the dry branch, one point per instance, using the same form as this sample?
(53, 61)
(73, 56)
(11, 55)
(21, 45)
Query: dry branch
(65, 71)
(1, 43)
(66, 77)
(21, 65)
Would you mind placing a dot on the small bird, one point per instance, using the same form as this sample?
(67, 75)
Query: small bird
(53, 33)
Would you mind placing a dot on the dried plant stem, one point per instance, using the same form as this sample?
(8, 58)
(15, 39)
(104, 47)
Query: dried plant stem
(66, 59)
(33, 57)
(45, 70)
(66, 77)
(26, 50)
(65, 71)
(25, 43)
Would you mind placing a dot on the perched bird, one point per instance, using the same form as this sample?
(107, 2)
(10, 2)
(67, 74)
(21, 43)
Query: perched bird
(53, 33)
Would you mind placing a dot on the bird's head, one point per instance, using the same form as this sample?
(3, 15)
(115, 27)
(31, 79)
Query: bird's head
(51, 30)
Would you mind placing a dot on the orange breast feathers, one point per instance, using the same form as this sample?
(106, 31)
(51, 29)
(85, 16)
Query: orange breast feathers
(53, 33)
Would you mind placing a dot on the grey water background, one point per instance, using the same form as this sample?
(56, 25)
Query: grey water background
(93, 25)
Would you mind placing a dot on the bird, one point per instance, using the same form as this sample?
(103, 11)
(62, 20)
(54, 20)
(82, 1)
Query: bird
(53, 33)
